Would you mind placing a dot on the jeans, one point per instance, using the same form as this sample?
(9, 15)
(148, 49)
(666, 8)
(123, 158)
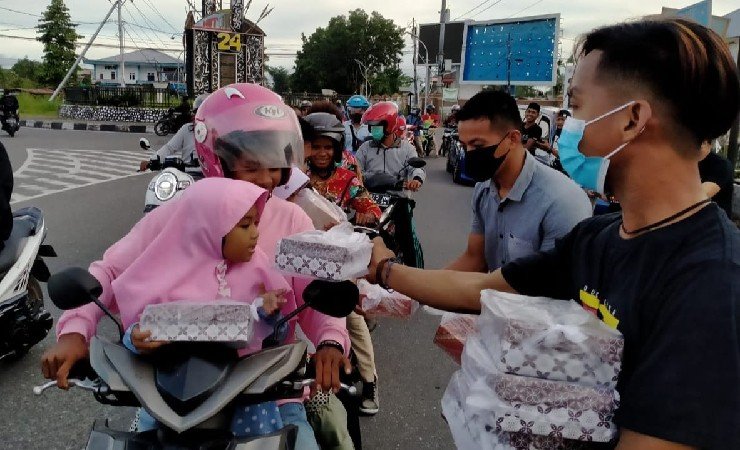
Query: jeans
(291, 413)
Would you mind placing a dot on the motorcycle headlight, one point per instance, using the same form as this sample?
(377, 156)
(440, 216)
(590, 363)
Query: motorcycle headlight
(165, 187)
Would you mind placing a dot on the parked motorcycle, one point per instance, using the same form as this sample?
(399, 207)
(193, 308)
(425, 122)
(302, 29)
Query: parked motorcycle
(192, 388)
(23, 320)
(175, 176)
(396, 223)
(171, 122)
(450, 139)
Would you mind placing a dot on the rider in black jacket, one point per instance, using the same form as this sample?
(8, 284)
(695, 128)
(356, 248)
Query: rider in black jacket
(6, 189)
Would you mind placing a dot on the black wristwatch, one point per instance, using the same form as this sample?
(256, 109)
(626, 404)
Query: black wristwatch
(332, 344)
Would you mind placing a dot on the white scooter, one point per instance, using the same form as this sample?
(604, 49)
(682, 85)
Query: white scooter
(23, 320)
(175, 176)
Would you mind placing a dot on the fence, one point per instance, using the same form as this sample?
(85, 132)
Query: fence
(295, 99)
(142, 97)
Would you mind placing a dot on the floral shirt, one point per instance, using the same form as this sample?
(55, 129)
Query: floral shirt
(345, 183)
(349, 162)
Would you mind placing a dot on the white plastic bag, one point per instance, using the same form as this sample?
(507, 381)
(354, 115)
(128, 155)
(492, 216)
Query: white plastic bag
(376, 301)
(336, 255)
(321, 211)
(549, 339)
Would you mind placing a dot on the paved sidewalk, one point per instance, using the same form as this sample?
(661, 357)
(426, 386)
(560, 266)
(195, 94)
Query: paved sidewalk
(69, 124)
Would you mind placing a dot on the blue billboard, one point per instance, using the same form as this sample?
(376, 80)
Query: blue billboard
(529, 44)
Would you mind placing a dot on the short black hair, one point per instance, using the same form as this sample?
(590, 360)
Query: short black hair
(535, 106)
(686, 66)
(564, 113)
(307, 131)
(497, 106)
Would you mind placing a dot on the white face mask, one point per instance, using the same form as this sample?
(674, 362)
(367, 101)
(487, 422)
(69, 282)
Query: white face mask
(588, 171)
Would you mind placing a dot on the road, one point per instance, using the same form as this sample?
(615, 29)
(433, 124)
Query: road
(97, 201)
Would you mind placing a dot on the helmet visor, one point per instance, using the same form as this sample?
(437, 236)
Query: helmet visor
(260, 149)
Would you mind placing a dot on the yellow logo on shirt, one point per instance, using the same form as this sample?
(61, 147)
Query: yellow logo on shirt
(592, 303)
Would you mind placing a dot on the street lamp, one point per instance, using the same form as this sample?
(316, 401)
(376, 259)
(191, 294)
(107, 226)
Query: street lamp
(426, 67)
(363, 69)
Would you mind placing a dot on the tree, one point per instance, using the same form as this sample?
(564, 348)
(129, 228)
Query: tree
(280, 79)
(25, 68)
(390, 81)
(328, 58)
(58, 34)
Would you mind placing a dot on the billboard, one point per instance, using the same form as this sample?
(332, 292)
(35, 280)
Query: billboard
(522, 50)
(429, 36)
(702, 14)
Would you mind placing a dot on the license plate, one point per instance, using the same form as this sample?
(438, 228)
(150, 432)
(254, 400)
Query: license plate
(383, 200)
(11, 121)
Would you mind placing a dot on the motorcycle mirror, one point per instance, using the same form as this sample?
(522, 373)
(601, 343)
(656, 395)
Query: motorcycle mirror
(417, 163)
(144, 143)
(73, 287)
(335, 299)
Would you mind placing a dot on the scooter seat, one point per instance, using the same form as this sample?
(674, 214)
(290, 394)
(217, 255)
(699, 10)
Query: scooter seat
(23, 227)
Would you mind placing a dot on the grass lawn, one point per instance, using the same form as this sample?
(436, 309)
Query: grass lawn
(38, 106)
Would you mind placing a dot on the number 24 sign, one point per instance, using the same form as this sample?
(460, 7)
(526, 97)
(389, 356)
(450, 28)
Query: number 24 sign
(228, 42)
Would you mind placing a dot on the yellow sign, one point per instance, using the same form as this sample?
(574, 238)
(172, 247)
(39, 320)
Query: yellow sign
(229, 42)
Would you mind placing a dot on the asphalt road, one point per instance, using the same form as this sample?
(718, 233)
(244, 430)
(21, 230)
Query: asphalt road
(96, 205)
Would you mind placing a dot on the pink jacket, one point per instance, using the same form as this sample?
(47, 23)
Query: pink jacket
(279, 219)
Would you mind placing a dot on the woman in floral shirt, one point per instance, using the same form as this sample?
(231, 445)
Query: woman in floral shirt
(329, 178)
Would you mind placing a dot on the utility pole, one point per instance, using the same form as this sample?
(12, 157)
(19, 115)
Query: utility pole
(442, 21)
(120, 41)
(415, 37)
(82, 55)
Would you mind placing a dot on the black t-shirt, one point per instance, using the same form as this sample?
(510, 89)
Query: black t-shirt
(718, 170)
(675, 295)
(533, 132)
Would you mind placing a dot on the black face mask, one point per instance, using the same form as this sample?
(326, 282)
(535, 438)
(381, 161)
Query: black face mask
(356, 118)
(481, 164)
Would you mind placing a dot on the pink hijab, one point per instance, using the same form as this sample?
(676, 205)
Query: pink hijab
(179, 247)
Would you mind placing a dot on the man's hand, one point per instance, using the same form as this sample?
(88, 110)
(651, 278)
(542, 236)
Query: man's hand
(140, 340)
(328, 360)
(413, 185)
(59, 360)
(380, 252)
(143, 166)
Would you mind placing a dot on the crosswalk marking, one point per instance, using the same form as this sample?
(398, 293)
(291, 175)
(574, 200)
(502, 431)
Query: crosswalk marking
(49, 171)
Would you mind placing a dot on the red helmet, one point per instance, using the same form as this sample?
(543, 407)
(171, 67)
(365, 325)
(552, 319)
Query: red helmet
(385, 114)
(248, 123)
(400, 127)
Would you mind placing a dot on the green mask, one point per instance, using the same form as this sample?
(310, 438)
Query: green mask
(377, 132)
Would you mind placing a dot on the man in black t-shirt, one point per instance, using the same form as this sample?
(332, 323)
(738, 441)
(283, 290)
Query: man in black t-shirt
(531, 132)
(666, 271)
(6, 190)
(716, 178)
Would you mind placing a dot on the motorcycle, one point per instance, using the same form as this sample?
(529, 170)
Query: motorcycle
(450, 140)
(171, 122)
(191, 388)
(23, 320)
(427, 142)
(10, 122)
(175, 176)
(396, 222)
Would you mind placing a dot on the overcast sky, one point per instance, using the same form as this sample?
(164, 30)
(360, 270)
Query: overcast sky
(293, 17)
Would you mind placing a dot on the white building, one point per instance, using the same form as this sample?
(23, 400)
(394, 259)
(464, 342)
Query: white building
(140, 67)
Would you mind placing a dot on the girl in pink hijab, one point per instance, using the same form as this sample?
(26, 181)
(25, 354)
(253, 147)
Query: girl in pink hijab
(201, 247)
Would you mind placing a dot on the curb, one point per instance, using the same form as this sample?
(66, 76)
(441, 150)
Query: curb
(83, 126)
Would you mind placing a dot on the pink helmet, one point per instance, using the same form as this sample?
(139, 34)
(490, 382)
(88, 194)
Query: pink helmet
(246, 124)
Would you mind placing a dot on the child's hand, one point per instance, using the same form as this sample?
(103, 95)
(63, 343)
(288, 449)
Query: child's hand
(272, 301)
(139, 339)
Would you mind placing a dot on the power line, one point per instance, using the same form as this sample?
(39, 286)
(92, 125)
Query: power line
(146, 19)
(154, 8)
(528, 7)
(38, 15)
(134, 21)
(472, 9)
(484, 10)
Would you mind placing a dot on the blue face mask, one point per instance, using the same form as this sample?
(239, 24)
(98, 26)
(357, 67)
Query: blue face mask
(377, 132)
(588, 171)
